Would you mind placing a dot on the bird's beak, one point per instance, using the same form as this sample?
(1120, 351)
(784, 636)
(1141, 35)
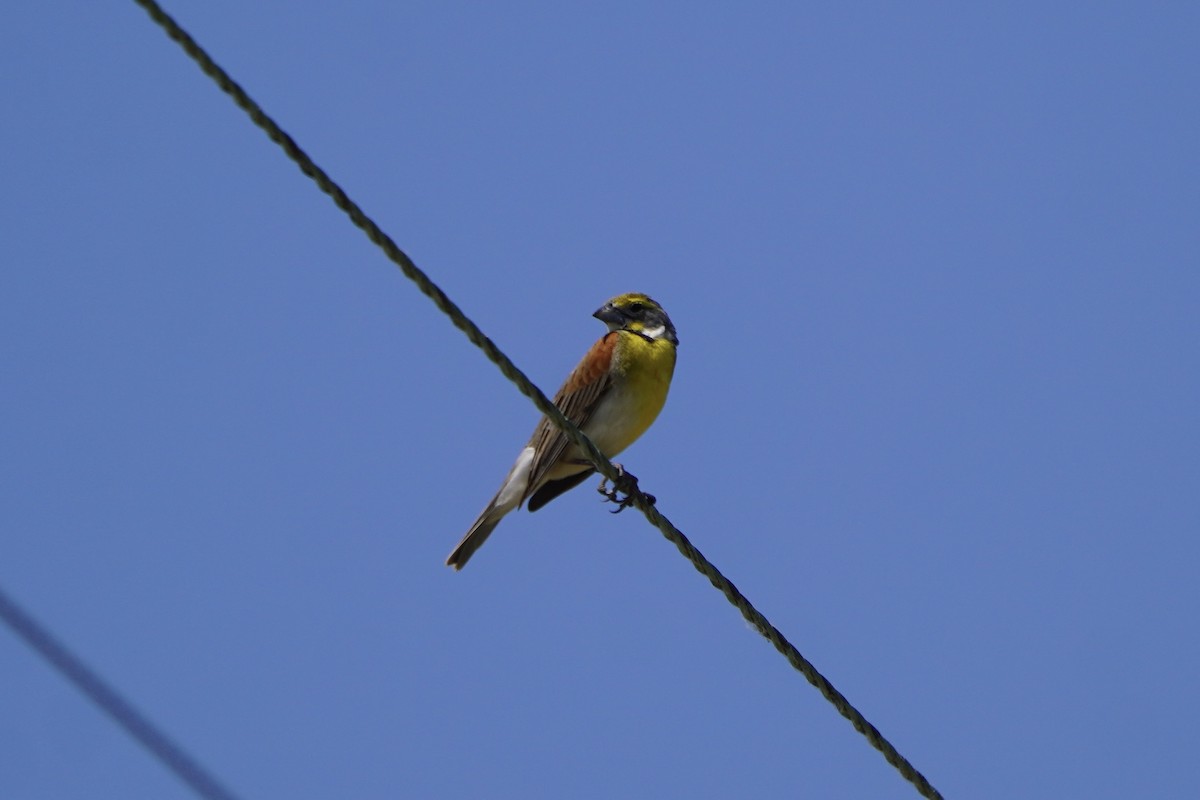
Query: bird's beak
(610, 314)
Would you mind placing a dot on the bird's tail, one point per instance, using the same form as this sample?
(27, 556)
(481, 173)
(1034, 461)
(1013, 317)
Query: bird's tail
(477, 535)
(510, 496)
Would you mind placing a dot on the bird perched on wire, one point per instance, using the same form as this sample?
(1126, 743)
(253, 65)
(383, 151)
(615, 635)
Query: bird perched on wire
(613, 396)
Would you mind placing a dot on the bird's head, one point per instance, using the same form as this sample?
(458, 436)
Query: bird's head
(637, 313)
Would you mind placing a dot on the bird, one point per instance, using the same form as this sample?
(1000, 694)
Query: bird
(613, 395)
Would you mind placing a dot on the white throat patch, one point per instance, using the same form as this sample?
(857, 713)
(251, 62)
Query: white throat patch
(655, 333)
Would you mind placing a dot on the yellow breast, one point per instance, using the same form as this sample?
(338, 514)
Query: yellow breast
(641, 376)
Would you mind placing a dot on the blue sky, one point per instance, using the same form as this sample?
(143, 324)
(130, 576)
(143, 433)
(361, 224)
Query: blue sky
(935, 273)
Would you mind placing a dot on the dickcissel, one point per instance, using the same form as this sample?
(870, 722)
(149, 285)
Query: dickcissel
(613, 395)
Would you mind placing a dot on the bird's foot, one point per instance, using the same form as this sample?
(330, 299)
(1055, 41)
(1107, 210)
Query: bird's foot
(625, 484)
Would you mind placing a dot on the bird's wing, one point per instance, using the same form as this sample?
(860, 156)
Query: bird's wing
(577, 399)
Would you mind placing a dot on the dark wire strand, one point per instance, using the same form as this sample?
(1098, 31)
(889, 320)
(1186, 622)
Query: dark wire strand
(510, 371)
(111, 702)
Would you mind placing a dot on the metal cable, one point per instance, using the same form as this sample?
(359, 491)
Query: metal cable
(510, 371)
(112, 703)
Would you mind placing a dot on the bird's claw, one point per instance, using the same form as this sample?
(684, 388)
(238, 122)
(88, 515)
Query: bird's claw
(625, 484)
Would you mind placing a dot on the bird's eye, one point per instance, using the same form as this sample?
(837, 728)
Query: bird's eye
(637, 307)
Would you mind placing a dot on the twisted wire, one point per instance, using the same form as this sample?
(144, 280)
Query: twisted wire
(543, 404)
